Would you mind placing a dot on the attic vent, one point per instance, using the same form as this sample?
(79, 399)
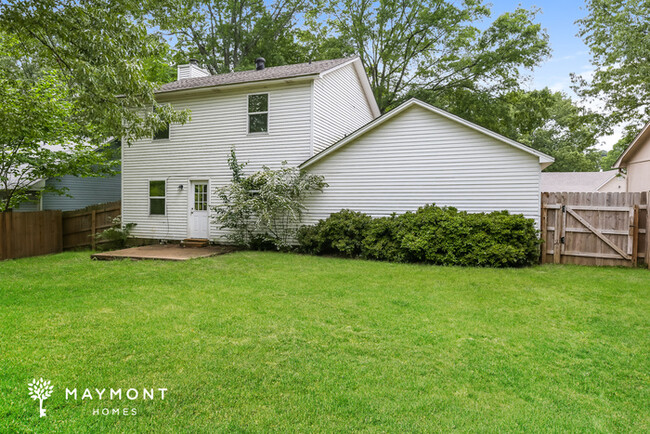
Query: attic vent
(259, 63)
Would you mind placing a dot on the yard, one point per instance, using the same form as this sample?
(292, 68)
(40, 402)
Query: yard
(277, 342)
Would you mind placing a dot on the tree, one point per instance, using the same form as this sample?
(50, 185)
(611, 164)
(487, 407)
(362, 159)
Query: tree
(264, 209)
(40, 137)
(229, 34)
(407, 45)
(617, 33)
(102, 51)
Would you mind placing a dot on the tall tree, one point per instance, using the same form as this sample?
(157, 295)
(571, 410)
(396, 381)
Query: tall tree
(229, 34)
(101, 50)
(40, 133)
(618, 35)
(436, 44)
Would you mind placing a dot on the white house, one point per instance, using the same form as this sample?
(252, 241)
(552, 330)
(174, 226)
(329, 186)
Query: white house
(321, 116)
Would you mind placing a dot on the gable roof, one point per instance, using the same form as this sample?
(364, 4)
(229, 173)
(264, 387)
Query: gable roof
(251, 76)
(576, 181)
(544, 160)
(636, 143)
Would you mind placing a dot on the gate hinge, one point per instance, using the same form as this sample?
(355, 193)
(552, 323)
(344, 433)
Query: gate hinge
(561, 240)
(563, 208)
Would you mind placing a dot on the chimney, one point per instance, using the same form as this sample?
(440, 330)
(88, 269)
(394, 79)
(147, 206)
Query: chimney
(259, 63)
(190, 70)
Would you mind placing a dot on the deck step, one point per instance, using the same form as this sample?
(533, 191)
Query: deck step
(195, 242)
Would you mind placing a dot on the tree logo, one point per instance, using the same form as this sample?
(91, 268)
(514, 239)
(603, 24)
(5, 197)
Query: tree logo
(40, 390)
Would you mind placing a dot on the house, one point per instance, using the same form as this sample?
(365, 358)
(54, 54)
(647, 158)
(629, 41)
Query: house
(80, 193)
(604, 182)
(636, 159)
(321, 116)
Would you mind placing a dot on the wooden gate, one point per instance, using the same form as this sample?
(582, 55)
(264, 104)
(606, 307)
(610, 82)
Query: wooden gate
(595, 228)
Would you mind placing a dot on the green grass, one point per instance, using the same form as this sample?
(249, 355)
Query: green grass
(279, 342)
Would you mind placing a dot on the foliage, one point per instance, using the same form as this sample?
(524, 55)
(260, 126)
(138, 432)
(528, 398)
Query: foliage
(434, 235)
(436, 45)
(40, 133)
(227, 35)
(117, 234)
(616, 32)
(104, 53)
(340, 234)
(264, 209)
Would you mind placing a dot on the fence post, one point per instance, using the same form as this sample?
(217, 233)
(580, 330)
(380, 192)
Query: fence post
(544, 234)
(93, 225)
(647, 229)
(635, 237)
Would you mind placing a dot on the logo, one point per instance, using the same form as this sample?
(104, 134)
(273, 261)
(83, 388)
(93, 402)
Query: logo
(40, 390)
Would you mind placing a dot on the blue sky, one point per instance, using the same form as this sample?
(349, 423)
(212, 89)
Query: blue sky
(569, 54)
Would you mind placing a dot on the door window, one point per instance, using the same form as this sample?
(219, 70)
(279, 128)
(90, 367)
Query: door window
(200, 197)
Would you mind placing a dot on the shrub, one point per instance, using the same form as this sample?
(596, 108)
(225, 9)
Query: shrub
(434, 235)
(117, 234)
(340, 234)
(263, 210)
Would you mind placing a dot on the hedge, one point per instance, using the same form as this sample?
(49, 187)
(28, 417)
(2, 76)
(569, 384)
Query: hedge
(433, 235)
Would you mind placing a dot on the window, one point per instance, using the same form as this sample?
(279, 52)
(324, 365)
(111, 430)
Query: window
(157, 197)
(258, 113)
(162, 133)
(200, 197)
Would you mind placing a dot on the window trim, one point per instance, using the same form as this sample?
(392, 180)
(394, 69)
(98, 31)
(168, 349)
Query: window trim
(149, 197)
(248, 114)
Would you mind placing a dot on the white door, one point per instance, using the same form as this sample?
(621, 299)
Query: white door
(199, 209)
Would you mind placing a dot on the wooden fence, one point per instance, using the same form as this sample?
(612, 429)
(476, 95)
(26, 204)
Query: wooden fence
(24, 234)
(80, 226)
(595, 228)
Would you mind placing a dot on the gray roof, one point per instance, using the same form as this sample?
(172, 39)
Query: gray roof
(249, 76)
(575, 181)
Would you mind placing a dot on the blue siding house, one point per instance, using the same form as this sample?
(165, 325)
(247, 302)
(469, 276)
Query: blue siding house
(84, 192)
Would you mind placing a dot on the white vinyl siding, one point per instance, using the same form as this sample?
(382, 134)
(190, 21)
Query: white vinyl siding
(340, 106)
(418, 158)
(200, 149)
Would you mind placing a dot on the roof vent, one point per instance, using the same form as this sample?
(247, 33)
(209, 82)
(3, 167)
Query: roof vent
(259, 63)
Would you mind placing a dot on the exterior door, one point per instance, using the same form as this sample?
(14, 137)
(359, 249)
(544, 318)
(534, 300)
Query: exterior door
(199, 209)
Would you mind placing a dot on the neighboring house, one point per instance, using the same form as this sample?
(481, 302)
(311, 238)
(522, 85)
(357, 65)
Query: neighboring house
(323, 117)
(636, 159)
(609, 181)
(83, 191)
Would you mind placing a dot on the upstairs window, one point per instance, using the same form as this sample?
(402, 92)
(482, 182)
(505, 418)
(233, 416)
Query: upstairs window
(162, 133)
(157, 197)
(258, 113)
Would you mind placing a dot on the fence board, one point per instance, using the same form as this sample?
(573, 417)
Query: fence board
(80, 226)
(596, 228)
(24, 234)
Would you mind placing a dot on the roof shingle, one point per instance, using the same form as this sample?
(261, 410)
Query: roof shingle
(271, 73)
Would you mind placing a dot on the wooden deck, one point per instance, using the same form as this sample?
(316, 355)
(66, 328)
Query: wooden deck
(168, 252)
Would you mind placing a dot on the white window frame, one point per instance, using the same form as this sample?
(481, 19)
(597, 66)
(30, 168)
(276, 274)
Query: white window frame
(149, 197)
(267, 112)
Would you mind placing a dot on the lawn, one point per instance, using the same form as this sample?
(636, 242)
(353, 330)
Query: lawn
(279, 342)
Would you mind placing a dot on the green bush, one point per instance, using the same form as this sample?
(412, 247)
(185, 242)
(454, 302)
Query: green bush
(340, 234)
(434, 235)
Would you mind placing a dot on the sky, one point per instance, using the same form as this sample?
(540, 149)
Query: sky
(569, 53)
